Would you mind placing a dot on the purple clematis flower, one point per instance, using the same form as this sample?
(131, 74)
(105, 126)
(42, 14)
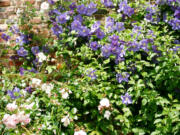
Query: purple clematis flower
(119, 26)
(78, 18)
(95, 26)
(57, 29)
(51, 2)
(175, 49)
(122, 77)
(109, 24)
(115, 50)
(129, 11)
(54, 12)
(144, 44)
(176, 42)
(94, 45)
(21, 71)
(133, 46)
(62, 18)
(76, 25)
(91, 74)
(35, 50)
(22, 39)
(45, 49)
(114, 38)
(107, 3)
(73, 6)
(91, 9)
(82, 9)
(119, 59)
(14, 92)
(106, 51)
(70, 13)
(29, 89)
(121, 51)
(175, 23)
(100, 34)
(5, 37)
(22, 52)
(149, 17)
(33, 70)
(126, 99)
(160, 2)
(122, 6)
(84, 31)
(115, 43)
(177, 13)
(136, 28)
(14, 29)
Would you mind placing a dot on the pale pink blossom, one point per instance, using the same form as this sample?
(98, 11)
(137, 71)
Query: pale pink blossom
(24, 119)
(80, 132)
(10, 121)
(65, 120)
(11, 106)
(29, 106)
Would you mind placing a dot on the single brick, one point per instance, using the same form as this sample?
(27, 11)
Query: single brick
(5, 3)
(36, 20)
(45, 32)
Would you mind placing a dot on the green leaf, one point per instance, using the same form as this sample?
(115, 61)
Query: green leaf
(157, 121)
(95, 133)
(138, 131)
(144, 101)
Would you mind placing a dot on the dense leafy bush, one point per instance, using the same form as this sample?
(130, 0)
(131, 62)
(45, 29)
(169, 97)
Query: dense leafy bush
(113, 69)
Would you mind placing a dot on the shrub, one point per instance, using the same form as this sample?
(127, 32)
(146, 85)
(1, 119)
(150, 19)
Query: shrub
(116, 75)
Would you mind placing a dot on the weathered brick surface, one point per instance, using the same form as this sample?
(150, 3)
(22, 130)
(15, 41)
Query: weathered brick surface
(4, 3)
(8, 15)
(36, 20)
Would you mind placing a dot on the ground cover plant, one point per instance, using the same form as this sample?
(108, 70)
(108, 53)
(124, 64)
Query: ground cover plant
(111, 68)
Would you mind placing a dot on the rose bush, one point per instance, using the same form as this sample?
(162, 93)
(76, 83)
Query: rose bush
(112, 69)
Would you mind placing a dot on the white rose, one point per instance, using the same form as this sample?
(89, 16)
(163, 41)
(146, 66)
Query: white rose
(18, 12)
(80, 132)
(44, 6)
(36, 82)
(65, 95)
(62, 90)
(41, 57)
(107, 114)
(47, 87)
(65, 120)
(105, 102)
(11, 106)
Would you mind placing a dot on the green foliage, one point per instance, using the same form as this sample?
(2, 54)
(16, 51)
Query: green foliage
(153, 83)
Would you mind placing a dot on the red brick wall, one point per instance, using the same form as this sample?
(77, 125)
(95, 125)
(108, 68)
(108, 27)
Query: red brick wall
(8, 9)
